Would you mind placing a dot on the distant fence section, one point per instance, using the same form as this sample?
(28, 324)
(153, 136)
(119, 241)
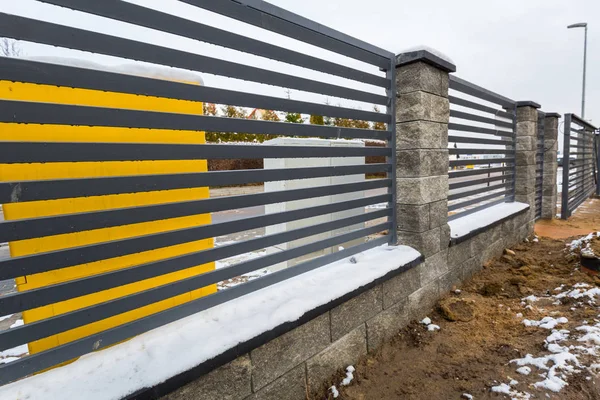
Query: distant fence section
(103, 144)
(579, 163)
(539, 164)
(481, 143)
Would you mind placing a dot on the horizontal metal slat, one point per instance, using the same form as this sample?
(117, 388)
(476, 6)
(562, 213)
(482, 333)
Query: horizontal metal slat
(477, 129)
(60, 224)
(30, 299)
(49, 261)
(23, 191)
(19, 70)
(461, 195)
(481, 171)
(462, 139)
(467, 203)
(270, 17)
(33, 363)
(480, 107)
(61, 114)
(457, 185)
(471, 89)
(455, 163)
(149, 18)
(48, 152)
(22, 28)
(479, 151)
(478, 118)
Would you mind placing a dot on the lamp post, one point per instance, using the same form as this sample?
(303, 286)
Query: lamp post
(582, 25)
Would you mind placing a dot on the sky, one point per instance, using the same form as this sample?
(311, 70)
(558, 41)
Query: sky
(520, 49)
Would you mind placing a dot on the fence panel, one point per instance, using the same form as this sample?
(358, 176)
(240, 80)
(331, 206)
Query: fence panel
(579, 163)
(46, 126)
(539, 165)
(481, 147)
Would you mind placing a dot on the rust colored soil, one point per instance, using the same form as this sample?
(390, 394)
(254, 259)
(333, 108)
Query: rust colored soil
(473, 355)
(584, 221)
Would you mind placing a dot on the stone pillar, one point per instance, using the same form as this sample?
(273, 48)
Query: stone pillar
(550, 186)
(527, 118)
(422, 114)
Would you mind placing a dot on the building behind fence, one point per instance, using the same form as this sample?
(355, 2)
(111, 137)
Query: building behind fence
(467, 171)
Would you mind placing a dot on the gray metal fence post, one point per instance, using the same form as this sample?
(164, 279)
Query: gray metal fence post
(564, 207)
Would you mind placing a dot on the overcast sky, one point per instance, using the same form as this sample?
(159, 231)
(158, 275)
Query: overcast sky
(520, 49)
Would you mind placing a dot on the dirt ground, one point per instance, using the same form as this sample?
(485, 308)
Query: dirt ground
(472, 354)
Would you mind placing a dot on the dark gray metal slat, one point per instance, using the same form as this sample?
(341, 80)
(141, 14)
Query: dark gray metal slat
(455, 163)
(476, 129)
(149, 18)
(27, 29)
(461, 195)
(475, 209)
(479, 151)
(34, 298)
(472, 172)
(60, 224)
(23, 191)
(471, 89)
(480, 107)
(62, 114)
(19, 70)
(463, 139)
(49, 261)
(457, 185)
(478, 118)
(477, 200)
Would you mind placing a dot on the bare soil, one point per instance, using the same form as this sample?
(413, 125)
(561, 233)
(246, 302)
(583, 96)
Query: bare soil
(472, 353)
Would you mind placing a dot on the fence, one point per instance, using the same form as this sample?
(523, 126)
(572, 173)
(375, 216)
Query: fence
(579, 163)
(539, 164)
(47, 151)
(489, 131)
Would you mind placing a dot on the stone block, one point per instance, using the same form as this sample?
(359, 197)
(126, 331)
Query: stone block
(291, 386)
(422, 106)
(433, 267)
(413, 218)
(275, 358)
(397, 289)
(470, 267)
(526, 143)
(421, 301)
(421, 190)
(550, 160)
(480, 242)
(341, 353)
(427, 243)
(438, 213)
(387, 324)
(421, 135)
(525, 158)
(527, 114)
(459, 253)
(551, 128)
(444, 236)
(493, 250)
(526, 198)
(450, 279)
(232, 381)
(356, 311)
(508, 227)
(420, 76)
(421, 162)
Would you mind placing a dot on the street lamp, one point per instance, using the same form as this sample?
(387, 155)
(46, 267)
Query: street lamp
(582, 25)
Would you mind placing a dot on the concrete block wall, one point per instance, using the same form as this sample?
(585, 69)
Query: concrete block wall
(299, 362)
(550, 186)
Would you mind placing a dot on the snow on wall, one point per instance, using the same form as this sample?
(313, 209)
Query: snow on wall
(464, 225)
(155, 356)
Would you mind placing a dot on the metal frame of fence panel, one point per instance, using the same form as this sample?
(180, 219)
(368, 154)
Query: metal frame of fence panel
(482, 148)
(377, 227)
(580, 163)
(539, 165)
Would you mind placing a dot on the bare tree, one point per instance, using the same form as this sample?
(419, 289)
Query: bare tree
(9, 48)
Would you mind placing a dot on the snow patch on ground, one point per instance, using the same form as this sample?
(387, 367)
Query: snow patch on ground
(546, 322)
(464, 225)
(132, 365)
(349, 376)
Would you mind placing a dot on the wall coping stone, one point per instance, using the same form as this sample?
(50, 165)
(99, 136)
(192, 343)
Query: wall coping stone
(425, 56)
(459, 239)
(528, 103)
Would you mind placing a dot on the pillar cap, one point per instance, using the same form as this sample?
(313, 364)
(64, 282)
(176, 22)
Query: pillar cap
(553, 115)
(426, 56)
(528, 103)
